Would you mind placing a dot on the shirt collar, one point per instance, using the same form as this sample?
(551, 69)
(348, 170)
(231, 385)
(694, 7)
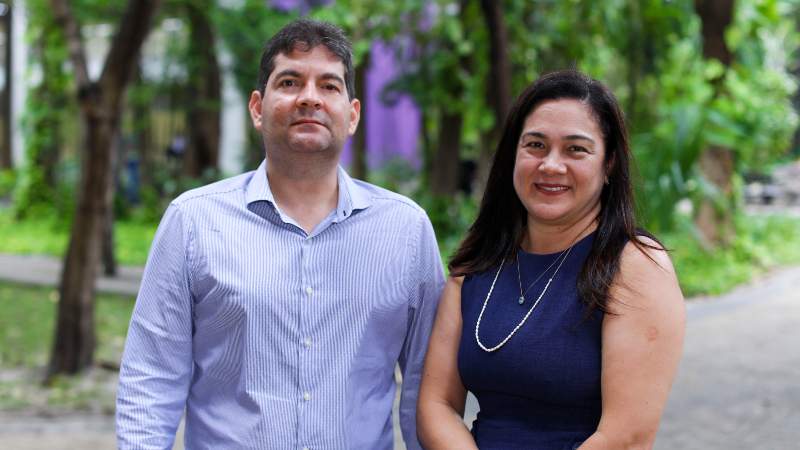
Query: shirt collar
(351, 195)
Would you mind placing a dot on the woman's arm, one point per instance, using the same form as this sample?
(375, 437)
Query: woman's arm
(442, 397)
(642, 344)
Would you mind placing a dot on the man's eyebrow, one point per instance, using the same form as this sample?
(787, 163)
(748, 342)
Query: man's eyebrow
(287, 73)
(332, 76)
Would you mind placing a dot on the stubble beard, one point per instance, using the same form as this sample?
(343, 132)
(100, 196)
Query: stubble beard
(300, 160)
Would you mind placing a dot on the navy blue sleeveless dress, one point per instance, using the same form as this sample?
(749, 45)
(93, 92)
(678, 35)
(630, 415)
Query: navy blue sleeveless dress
(541, 390)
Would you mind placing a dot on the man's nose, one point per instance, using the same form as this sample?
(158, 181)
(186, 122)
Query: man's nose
(552, 164)
(309, 97)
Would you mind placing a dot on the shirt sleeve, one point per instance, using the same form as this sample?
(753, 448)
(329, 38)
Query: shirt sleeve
(427, 281)
(157, 361)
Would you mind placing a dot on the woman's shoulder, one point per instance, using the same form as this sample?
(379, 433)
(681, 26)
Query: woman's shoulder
(646, 253)
(646, 276)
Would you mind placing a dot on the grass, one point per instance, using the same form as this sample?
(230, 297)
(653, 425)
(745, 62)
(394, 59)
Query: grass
(47, 237)
(27, 324)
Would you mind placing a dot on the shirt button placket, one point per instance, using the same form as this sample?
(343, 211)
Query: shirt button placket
(306, 322)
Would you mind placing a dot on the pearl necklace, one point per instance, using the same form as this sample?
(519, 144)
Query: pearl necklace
(477, 325)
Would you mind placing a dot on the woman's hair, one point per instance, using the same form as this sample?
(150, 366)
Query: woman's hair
(498, 230)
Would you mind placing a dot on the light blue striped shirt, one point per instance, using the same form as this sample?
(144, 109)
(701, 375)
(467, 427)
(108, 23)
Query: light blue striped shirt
(273, 338)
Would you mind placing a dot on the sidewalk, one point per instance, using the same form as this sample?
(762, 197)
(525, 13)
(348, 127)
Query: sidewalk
(46, 270)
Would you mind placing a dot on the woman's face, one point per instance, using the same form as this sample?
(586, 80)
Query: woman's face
(560, 170)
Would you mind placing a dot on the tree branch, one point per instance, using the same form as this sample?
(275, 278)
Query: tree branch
(124, 54)
(74, 44)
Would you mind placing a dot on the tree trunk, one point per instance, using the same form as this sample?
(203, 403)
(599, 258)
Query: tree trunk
(715, 221)
(715, 16)
(101, 104)
(5, 98)
(75, 342)
(499, 94)
(714, 218)
(499, 67)
(444, 171)
(202, 147)
(359, 148)
(109, 257)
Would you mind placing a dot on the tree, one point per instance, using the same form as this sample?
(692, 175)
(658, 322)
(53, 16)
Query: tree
(716, 162)
(5, 96)
(498, 92)
(100, 103)
(203, 96)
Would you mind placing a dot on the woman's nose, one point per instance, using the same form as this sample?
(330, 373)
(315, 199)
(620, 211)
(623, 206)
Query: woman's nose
(552, 163)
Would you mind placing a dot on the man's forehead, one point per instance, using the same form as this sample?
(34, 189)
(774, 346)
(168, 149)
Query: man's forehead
(303, 58)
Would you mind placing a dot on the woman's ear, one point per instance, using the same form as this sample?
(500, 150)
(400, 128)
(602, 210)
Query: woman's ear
(610, 164)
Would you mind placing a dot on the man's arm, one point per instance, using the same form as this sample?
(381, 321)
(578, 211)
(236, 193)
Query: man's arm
(428, 282)
(157, 362)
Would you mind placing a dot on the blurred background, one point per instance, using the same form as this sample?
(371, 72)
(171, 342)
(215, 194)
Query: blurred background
(110, 109)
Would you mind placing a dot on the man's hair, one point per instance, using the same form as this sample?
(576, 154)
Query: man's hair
(305, 35)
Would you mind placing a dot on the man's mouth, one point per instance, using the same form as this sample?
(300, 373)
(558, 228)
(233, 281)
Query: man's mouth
(307, 122)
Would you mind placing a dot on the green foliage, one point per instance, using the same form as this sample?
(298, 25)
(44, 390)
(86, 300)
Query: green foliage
(8, 179)
(46, 107)
(245, 29)
(762, 243)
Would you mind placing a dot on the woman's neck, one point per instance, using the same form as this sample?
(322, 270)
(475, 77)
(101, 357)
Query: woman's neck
(544, 240)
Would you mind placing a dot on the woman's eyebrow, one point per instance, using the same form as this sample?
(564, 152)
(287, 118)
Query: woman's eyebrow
(573, 137)
(534, 134)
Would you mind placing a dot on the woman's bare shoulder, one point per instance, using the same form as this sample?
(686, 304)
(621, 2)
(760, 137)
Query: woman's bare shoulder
(646, 274)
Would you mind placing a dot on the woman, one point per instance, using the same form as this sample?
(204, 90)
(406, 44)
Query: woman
(564, 319)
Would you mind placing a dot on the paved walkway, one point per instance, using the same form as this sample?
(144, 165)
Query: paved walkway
(46, 270)
(737, 387)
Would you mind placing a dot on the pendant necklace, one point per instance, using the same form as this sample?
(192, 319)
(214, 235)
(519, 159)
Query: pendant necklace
(522, 297)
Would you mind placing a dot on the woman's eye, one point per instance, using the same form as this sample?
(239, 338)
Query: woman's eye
(578, 149)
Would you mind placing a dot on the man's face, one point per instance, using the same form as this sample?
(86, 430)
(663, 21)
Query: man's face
(305, 107)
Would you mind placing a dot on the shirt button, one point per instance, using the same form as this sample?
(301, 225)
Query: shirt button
(306, 396)
(308, 342)
(305, 448)
(309, 290)
(309, 240)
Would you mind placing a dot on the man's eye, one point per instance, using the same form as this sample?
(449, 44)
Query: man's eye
(288, 83)
(330, 87)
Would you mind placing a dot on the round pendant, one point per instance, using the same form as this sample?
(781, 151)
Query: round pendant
(521, 300)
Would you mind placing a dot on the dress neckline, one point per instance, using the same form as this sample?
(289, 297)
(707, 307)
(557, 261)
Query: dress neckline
(522, 251)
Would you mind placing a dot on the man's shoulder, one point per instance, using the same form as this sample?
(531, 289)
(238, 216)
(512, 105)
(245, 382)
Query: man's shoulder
(389, 198)
(220, 189)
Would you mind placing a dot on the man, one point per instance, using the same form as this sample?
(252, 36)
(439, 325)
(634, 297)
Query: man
(275, 305)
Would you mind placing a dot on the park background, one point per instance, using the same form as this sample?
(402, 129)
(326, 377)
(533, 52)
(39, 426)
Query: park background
(111, 109)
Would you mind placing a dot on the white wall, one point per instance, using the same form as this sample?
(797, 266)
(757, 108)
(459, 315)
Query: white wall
(19, 89)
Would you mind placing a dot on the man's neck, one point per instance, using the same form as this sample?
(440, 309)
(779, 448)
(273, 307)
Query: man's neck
(307, 202)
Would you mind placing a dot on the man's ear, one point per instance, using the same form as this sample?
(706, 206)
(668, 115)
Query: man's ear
(355, 116)
(255, 109)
